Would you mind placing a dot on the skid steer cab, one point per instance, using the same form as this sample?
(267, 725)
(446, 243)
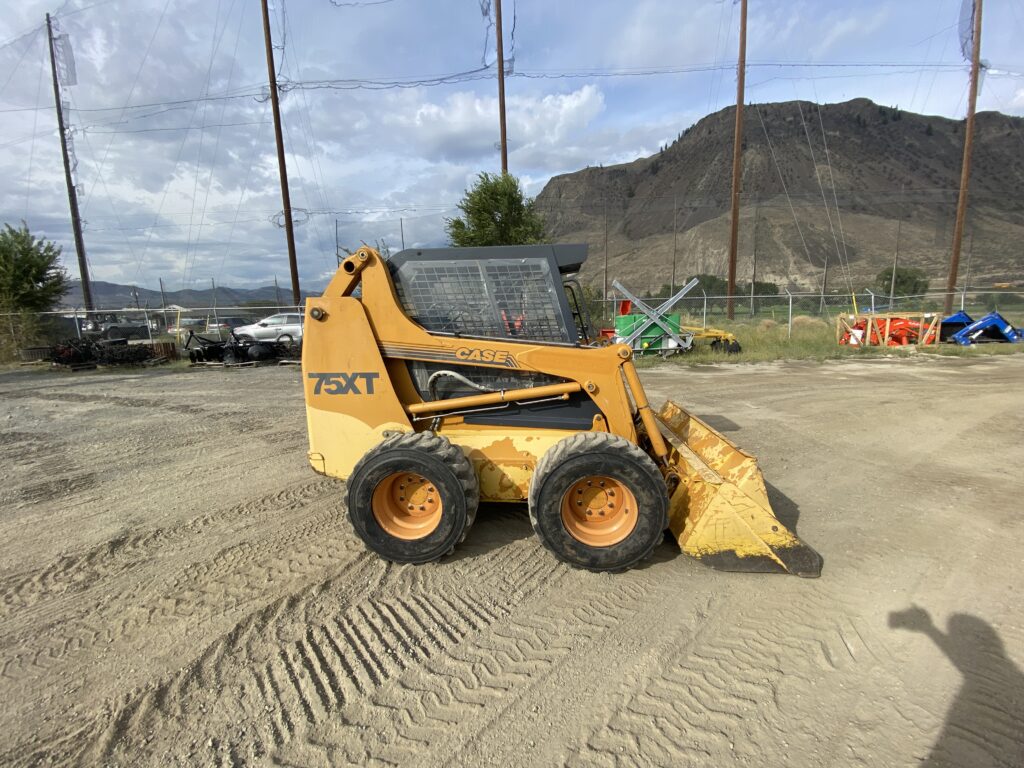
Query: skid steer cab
(440, 378)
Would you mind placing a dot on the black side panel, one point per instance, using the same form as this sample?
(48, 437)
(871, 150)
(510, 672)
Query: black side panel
(577, 412)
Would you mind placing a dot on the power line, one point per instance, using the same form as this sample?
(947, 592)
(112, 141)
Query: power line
(181, 128)
(784, 189)
(84, 8)
(486, 73)
(216, 146)
(306, 127)
(14, 70)
(241, 197)
(131, 90)
(12, 40)
(364, 4)
(32, 149)
(214, 47)
(248, 92)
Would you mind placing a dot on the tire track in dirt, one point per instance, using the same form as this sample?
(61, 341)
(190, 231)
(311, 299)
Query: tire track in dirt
(50, 490)
(204, 419)
(295, 665)
(27, 449)
(75, 573)
(285, 551)
(413, 718)
(706, 701)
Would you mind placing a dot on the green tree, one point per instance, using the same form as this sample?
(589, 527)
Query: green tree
(712, 285)
(32, 280)
(910, 281)
(495, 212)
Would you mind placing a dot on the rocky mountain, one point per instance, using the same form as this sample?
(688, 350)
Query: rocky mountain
(823, 183)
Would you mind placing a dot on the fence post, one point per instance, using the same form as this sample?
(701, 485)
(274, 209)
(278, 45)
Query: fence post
(963, 297)
(78, 326)
(149, 327)
(790, 324)
(872, 295)
(704, 321)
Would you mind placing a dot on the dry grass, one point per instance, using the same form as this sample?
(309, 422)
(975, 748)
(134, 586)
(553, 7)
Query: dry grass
(811, 339)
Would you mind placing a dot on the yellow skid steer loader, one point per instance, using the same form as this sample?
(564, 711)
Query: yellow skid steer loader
(440, 378)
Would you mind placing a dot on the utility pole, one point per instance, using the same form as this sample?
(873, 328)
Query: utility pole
(737, 149)
(896, 256)
(970, 256)
(605, 297)
(824, 285)
(337, 244)
(401, 228)
(285, 196)
(163, 301)
(76, 219)
(501, 86)
(965, 168)
(675, 242)
(277, 293)
(216, 320)
(753, 267)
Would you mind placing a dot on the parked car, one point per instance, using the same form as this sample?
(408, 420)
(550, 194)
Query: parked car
(110, 325)
(223, 324)
(284, 327)
(186, 324)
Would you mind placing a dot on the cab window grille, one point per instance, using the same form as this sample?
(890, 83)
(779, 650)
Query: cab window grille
(494, 298)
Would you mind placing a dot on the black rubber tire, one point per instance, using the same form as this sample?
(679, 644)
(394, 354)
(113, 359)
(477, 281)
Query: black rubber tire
(598, 453)
(258, 352)
(285, 338)
(433, 457)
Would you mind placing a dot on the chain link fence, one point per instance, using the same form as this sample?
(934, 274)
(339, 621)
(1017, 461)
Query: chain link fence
(707, 310)
(27, 335)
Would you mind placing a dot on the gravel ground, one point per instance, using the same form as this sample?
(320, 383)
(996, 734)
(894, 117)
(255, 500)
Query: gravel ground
(178, 587)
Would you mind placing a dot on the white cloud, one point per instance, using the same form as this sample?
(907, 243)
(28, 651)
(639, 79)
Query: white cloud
(844, 26)
(410, 149)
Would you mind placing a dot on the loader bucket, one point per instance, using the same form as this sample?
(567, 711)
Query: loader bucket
(720, 512)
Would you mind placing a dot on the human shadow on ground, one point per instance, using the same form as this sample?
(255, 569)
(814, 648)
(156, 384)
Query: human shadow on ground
(984, 727)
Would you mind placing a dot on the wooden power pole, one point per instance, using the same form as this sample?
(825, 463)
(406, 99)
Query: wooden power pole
(737, 150)
(285, 196)
(76, 219)
(965, 168)
(501, 86)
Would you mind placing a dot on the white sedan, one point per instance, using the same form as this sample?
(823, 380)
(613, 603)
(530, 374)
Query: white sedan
(286, 327)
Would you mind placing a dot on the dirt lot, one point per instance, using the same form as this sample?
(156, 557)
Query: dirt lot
(177, 587)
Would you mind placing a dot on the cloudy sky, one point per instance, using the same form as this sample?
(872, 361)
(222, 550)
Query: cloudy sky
(172, 132)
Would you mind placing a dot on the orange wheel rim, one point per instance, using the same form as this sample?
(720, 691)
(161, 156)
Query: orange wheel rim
(599, 511)
(407, 505)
